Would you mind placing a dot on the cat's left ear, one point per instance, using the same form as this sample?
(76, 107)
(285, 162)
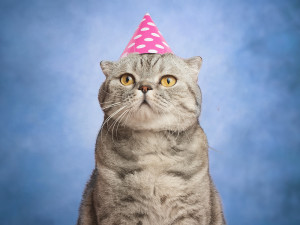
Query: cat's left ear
(195, 64)
(106, 67)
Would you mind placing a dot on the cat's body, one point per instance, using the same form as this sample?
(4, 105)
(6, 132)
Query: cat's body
(151, 158)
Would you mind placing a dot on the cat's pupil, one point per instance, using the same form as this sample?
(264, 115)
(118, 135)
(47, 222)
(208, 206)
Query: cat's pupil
(168, 80)
(127, 79)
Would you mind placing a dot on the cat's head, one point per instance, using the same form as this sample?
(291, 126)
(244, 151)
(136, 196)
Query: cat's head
(152, 91)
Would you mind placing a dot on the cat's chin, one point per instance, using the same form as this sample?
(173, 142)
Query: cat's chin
(144, 112)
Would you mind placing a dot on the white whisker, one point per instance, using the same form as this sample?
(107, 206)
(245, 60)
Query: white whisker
(113, 124)
(107, 119)
(118, 122)
(112, 105)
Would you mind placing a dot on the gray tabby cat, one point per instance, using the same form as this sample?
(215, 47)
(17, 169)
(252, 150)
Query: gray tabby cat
(151, 153)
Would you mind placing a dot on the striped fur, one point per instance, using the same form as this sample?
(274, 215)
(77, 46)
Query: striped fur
(151, 159)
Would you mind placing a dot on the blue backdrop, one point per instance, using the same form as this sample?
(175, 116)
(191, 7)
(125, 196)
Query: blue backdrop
(50, 75)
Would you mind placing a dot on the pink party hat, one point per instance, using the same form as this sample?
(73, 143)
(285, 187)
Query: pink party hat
(147, 39)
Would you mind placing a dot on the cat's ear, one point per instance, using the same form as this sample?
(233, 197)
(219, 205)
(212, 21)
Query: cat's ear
(195, 64)
(106, 67)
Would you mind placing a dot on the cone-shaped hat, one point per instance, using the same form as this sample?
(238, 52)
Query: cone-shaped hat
(147, 39)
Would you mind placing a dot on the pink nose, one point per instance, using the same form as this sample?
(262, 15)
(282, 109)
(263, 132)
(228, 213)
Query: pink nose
(145, 88)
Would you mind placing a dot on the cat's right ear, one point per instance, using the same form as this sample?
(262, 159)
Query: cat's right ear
(106, 67)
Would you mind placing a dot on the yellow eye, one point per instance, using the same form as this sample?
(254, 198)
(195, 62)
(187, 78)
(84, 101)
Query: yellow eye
(168, 81)
(127, 79)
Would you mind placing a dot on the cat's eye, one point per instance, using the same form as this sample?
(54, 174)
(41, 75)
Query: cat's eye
(127, 79)
(168, 81)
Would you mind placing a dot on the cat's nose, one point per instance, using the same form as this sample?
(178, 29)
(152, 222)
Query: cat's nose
(145, 88)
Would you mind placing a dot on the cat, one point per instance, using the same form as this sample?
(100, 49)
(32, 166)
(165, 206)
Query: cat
(151, 153)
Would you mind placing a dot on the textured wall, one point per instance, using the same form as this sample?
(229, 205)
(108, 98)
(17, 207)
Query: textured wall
(50, 75)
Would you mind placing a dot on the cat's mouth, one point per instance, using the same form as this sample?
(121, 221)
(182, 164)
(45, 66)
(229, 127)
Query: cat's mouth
(144, 102)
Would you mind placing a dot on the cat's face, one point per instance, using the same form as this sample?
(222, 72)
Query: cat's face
(152, 91)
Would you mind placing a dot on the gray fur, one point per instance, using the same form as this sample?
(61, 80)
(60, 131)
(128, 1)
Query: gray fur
(151, 159)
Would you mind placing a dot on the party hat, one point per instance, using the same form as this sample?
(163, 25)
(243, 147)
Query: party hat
(147, 39)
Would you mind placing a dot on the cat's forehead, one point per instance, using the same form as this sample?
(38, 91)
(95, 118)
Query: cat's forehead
(147, 64)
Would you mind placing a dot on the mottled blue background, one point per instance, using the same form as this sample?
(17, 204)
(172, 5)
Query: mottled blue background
(50, 75)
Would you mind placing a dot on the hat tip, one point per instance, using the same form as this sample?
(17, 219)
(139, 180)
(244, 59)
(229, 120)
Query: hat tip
(147, 39)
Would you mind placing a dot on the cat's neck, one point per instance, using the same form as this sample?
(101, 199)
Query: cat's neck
(151, 148)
